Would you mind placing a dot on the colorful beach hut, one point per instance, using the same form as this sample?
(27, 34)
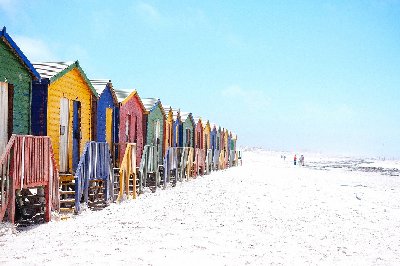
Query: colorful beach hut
(177, 136)
(155, 120)
(169, 121)
(16, 75)
(188, 128)
(64, 104)
(207, 146)
(199, 147)
(28, 174)
(107, 112)
(132, 123)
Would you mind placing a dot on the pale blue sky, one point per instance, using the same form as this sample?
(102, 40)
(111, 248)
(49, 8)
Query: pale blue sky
(294, 75)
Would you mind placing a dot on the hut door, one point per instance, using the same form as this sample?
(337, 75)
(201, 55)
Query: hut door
(76, 141)
(109, 124)
(64, 121)
(3, 116)
(157, 134)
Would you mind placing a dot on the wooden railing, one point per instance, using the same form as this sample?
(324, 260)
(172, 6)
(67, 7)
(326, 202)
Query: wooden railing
(127, 172)
(148, 165)
(95, 164)
(28, 162)
(200, 161)
(208, 162)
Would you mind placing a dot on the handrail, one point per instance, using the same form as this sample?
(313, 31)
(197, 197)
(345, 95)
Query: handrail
(199, 160)
(148, 164)
(180, 160)
(216, 159)
(95, 163)
(28, 161)
(208, 161)
(127, 169)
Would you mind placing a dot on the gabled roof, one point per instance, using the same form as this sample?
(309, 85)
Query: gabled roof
(24, 60)
(213, 125)
(175, 111)
(125, 96)
(151, 103)
(207, 124)
(197, 119)
(186, 115)
(167, 109)
(101, 84)
(55, 70)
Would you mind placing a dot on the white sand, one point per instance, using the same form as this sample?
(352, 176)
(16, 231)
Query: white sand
(265, 212)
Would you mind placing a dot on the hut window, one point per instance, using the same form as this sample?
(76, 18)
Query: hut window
(135, 126)
(127, 128)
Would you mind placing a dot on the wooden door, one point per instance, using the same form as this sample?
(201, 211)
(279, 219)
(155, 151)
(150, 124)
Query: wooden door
(3, 116)
(64, 132)
(109, 126)
(77, 135)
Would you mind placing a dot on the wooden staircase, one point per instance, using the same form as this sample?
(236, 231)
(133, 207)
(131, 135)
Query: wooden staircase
(116, 183)
(67, 195)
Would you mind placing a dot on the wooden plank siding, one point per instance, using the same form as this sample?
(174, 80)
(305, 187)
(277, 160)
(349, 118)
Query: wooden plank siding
(73, 87)
(168, 130)
(132, 125)
(13, 71)
(156, 115)
(207, 136)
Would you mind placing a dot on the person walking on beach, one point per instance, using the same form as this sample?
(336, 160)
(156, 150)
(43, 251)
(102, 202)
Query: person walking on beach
(295, 159)
(302, 160)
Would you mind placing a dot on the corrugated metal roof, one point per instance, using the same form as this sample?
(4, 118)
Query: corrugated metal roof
(149, 103)
(99, 84)
(122, 94)
(184, 115)
(50, 69)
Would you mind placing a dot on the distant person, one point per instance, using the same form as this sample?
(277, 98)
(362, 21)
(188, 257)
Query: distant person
(302, 160)
(295, 159)
(284, 157)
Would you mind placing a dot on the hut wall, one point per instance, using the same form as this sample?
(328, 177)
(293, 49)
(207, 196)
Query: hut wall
(73, 87)
(105, 101)
(12, 70)
(207, 137)
(198, 136)
(168, 132)
(188, 125)
(132, 109)
(39, 108)
(152, 118)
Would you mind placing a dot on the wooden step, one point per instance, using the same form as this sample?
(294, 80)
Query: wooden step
(64, 192)
(67, 201)
(72, 209)
(66, 183)
(66, 177)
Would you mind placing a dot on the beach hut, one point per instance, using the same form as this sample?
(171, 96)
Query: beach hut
(207, 146)
(155, 120)
(107, 112)
(177, 134)
(188, 127)
(28, 174)
(199, 147)
(169, 121)
(214, 145)
(16, 75)
(187, 130)
(66, 103)
(153, 152)
(132, 123)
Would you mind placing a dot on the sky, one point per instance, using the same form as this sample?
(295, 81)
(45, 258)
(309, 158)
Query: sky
(319, 76)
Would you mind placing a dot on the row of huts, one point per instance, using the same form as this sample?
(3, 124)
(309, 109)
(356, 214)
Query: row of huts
(66, 139)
